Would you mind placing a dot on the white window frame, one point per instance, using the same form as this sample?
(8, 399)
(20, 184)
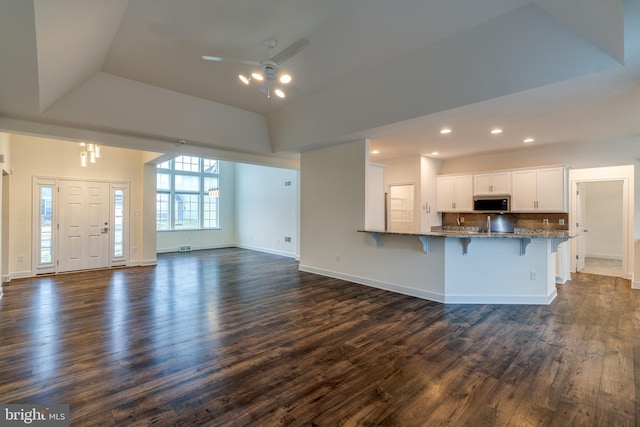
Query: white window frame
(38, 266)
(122, 260)
(201, 193)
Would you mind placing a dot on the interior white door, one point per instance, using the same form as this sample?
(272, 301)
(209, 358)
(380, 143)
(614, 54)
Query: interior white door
(84, 225)
(581, 226)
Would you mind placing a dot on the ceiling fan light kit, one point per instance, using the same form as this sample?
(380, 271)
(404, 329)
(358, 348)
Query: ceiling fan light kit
(269, 75)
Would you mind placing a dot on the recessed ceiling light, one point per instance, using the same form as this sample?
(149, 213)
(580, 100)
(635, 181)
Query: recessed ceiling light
(375, 152)
(496, 131)
(435, 153)
(527, 140)
(445, 131)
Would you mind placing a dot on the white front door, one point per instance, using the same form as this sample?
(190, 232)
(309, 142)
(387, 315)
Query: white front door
(84, 225)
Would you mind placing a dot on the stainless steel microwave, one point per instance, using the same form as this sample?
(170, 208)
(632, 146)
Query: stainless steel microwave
(500, 203)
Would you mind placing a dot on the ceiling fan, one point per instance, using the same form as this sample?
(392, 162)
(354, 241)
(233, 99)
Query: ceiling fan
(269, 75)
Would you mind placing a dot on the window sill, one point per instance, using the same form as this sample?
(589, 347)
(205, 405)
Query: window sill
(190, 229)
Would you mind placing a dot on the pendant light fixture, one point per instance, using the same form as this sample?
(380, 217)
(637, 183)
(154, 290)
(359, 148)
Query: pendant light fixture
(89, 152)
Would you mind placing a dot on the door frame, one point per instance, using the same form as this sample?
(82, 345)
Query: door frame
(36, 267)
(613, 173)
(579, 223)
(388, 203)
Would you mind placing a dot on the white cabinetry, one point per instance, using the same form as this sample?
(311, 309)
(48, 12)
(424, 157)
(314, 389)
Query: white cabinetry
(428, 175)
(492, 183)
(454, 193)
(539, 190)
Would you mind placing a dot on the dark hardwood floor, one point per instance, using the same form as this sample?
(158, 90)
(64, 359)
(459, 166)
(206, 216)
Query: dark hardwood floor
(234, 337)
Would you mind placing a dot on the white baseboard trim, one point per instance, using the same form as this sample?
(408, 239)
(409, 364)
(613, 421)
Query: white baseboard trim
(21, 274)
(267, 250)
(500, 299)
(432, 296)
(231, 245)
(6, 279)
(635, 285)
(147, 262)
(412, 292)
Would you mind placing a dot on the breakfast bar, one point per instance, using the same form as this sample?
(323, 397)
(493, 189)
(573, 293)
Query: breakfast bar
(484, 267)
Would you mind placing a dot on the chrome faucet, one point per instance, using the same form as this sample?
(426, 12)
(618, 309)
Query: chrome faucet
(488, 224)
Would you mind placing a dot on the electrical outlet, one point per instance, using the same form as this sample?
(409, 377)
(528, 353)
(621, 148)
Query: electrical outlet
(338, 258)
(287, 239)
(532, 275)
(561, 221)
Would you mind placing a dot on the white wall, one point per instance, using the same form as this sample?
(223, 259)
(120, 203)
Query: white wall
(375, 200)
(603, 218)
(257, 211)
(332, 203)
(34, 156)
(584, 155)
(225, 236)
(147, 232)
(267, 209)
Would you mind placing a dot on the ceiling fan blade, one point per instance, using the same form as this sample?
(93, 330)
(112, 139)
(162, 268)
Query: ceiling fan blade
(290, 51)
(237, 61)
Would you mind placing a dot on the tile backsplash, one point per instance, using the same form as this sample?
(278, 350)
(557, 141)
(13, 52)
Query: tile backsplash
(530, 221)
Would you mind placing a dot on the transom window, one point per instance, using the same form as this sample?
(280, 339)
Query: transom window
(187, 194)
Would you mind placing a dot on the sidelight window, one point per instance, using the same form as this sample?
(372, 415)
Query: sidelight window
(46, 224)
(118, 223)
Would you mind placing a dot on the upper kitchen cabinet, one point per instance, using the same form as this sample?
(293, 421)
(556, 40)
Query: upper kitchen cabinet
(454, 193)
(539, 190)
(492, 183)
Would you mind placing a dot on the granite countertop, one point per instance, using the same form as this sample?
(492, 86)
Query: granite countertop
(474, 232)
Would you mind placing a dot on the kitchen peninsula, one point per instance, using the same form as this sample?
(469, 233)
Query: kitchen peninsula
(487, 267)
